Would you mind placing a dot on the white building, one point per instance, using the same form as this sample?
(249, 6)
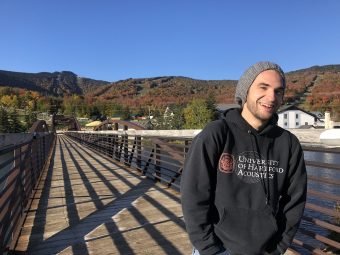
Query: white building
(291, 116)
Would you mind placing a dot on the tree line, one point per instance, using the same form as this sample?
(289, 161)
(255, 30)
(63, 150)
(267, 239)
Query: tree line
(19, 109)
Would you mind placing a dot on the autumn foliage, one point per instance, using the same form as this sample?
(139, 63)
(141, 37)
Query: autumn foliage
(314, 89)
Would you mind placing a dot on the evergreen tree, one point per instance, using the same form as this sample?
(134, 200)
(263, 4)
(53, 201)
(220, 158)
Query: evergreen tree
(178, 120)
(94, 113)
(4, 123)
(15, 125)
(211, 105)
(30, 118)
(126, 114)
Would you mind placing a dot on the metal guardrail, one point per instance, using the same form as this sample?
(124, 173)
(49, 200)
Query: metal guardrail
(161, 158)
(20, 168)
(158, 158)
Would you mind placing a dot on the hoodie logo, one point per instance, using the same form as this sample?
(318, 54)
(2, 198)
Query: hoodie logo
(251, 167)
(226, 163)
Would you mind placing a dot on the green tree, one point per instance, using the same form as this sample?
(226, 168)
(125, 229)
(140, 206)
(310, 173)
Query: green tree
(211, 105)
(197, 114)
(178, 121)
(126, 114)
(15, 125)
(94, 112)
(4, 123)
(42, 104)
(30, 118)
(172, 118)
(54, 104)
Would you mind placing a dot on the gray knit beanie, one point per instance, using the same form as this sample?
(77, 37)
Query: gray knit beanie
(250, 75)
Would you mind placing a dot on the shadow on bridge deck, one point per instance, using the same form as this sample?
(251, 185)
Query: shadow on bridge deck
(87, 204)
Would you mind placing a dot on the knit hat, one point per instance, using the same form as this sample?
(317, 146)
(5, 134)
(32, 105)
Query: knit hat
(250, 75)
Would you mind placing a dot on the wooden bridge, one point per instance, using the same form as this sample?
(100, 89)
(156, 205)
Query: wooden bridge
(117, 192)
(88, 204)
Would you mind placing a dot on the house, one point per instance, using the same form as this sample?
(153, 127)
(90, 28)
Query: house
(290, 116)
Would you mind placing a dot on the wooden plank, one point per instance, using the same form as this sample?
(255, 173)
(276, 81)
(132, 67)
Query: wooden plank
(89, 204)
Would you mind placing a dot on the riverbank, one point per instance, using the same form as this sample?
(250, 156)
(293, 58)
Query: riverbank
(310, 137)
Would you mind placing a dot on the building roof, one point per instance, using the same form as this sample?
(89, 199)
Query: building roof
(285, 108)
(319, 114)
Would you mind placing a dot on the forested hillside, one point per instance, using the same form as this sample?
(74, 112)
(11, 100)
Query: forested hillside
(316, 89)
(51, 84)
(164, 91)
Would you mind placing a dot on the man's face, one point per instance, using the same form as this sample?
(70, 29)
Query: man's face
(264, 97)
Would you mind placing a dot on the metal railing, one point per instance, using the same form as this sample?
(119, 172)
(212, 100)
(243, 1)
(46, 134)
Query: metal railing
(21, 166)
(161, 158)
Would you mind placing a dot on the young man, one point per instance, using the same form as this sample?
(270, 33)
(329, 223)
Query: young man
(243, 186)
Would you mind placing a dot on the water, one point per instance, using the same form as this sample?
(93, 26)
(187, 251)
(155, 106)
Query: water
(330, 158)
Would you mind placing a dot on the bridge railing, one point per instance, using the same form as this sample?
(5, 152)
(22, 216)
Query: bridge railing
(21, 165)
(157, 157)
(160, 156)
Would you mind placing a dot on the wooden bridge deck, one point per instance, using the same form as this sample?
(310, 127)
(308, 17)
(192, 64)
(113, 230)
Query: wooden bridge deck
(88, 204)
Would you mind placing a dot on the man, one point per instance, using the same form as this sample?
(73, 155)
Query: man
(243, 186)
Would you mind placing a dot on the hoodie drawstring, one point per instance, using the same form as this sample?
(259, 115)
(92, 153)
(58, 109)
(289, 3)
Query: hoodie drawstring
(262, 180)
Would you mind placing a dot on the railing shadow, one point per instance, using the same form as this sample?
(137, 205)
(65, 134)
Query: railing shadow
(89, 172)
(163, 242)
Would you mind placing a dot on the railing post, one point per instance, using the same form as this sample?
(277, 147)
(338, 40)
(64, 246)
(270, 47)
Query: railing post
(30, 161)
(40, 154)
(44, 148)
(157, 160)
(34, 156)
(19, 164)
(126, 149)
(107, 152)
(125, 143)
(139, 151)
(110, 146)
(117, 145)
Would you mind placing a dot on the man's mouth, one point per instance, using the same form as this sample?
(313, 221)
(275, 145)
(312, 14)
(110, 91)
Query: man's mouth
(268, 106)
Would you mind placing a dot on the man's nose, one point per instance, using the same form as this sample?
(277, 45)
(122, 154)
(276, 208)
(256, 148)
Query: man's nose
(271, 95)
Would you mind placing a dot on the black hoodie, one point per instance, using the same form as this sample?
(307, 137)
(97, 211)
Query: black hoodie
(243, 189)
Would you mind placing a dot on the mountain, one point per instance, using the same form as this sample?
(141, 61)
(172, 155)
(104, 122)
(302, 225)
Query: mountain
(55, 84)
(164, 90)
(314, 87)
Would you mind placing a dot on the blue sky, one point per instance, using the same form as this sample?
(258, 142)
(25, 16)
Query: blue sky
(212, 40)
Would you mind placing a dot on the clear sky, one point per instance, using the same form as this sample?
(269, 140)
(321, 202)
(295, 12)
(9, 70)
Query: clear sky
(203, 39)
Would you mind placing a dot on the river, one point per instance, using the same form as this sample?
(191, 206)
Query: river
(330, 158)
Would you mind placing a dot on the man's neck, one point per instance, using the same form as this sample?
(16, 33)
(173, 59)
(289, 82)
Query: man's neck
(252, 121)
